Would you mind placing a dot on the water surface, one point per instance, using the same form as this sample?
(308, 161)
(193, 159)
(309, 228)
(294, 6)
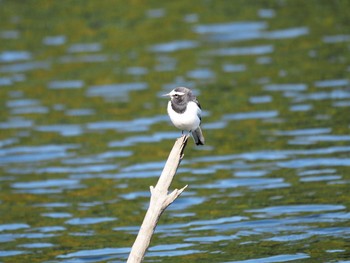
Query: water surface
(84, 130)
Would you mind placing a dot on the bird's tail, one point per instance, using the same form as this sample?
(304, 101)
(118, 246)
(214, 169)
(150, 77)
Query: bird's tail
(198, 136)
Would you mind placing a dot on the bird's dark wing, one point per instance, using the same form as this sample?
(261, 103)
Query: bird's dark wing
(194, 99)
(199, 112)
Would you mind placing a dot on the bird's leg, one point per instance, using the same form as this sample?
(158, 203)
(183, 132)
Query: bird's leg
(188, 133)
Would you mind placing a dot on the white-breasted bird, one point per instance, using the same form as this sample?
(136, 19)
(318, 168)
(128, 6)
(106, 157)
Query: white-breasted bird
(185, 112)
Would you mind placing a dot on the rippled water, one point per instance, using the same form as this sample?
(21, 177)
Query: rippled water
(84, 130)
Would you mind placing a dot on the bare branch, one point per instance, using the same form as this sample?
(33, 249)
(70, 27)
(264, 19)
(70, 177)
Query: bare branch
(160, 200)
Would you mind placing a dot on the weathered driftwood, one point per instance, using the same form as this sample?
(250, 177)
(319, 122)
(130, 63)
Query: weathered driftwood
(160, 200)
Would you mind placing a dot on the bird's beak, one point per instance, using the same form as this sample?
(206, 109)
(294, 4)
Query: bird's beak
(166, 95)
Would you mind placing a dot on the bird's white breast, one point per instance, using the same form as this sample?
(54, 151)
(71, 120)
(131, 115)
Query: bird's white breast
(189, 120)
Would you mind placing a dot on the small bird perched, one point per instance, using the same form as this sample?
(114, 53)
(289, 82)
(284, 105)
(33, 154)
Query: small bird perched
(185, 112)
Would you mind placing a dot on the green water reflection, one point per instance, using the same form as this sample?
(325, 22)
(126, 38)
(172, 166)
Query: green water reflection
(84, 131)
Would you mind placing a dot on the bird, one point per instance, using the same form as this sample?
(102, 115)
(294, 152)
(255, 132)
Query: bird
(185, 111)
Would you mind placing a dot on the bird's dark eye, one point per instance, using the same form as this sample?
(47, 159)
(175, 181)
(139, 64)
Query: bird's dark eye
(176, 95)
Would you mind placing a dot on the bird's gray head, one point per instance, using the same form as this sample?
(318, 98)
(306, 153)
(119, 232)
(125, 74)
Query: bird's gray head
(180, 95)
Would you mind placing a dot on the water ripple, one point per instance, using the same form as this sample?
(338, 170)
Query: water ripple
(134, 140)
(301, 107)
(32, 157)
(201, 73)
(115, 91)
(9, 253)
(30, 110)
(269, 155)
(319, 138)
(287, 33)
(331, 83)
(34, 153)
(285, 87)
(46, 183)
(36, 245)
(251, 115)
(166, 228)
(94, 58)
(136, 125)
(234, 67)
(320, 178)
(15, 123)
(171, 250)
(80, 112)
(54, 40)
(25, 66)
(174, 46)
(292, 209)
(241, 51)
(98, 168)
(255, 183)
(89, 220)
(331, 95)
(95, 253)
(62, 129)
(57, 215)
(260, 99)
(290, 238)
(299, 132)
(266, 13)
(336, 39)
(65, 84)
(156, 13)
(13, 226)
(9, 34)
(6, 81)
(84, 47)
(225, 28)
(278, 258)
(309, 162)
(12, 56)
(137, 71)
